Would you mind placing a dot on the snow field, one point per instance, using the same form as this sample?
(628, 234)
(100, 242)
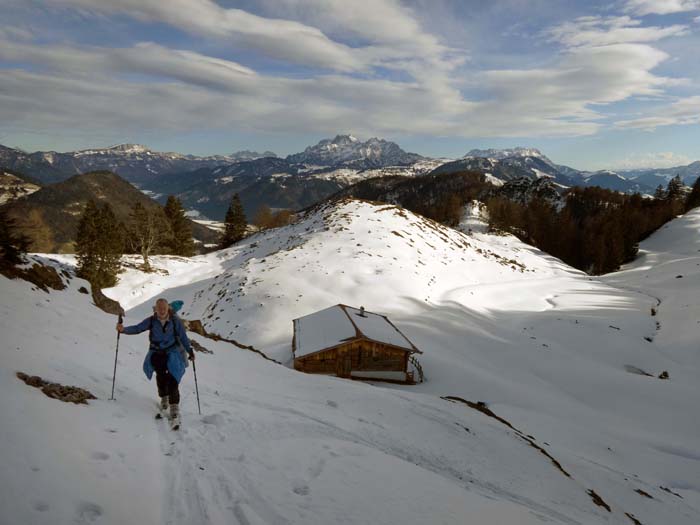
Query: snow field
(548, 348)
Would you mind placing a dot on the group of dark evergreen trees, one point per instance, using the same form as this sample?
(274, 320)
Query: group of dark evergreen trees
(596, 230)
(102, 239)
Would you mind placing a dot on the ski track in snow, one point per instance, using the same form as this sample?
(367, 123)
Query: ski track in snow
(200, 489)
(199, 479)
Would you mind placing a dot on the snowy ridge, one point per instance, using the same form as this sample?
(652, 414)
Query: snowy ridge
(349, 176)
(500, 154)
(334, 252)
(605, 173)
(250, 155)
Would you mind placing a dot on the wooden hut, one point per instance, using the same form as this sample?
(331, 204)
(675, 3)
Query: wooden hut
(355, 344)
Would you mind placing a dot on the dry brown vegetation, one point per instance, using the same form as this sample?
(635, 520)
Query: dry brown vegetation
(68, 394)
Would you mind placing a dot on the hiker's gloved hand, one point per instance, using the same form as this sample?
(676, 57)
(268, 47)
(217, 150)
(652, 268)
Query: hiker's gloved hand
(191, 354)
(120, 328)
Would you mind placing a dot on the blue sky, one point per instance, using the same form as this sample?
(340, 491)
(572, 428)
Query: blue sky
(592, 84)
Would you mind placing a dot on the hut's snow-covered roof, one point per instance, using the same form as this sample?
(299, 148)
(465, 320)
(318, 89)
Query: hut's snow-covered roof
(340, 323)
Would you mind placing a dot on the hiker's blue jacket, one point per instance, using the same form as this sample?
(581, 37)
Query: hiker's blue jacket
(164, 338)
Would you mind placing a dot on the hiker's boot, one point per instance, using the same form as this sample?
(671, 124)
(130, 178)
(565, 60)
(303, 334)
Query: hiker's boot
(174, 416)
(162, 407)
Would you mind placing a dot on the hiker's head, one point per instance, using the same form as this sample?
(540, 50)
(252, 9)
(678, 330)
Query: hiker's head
(162, 308)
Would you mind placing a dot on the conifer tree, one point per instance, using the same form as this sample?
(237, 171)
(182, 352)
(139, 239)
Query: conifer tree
(111, 247)
(12, 244)
(180, 241)
(99, 246)
(674, 195)
(674, 190)
(660, 192)
(693, 200)
(86, 242)
(235, 223)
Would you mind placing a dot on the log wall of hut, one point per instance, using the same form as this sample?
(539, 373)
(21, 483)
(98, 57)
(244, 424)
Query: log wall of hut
(320, 363)
(359, 355)
(368, 356)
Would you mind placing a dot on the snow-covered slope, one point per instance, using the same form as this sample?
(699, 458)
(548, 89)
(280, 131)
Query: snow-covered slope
(338, 254)
(273, 445)
(554, 352)
(668, 269)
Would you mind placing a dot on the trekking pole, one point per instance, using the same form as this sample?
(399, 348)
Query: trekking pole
(114, 375)
(196, 388)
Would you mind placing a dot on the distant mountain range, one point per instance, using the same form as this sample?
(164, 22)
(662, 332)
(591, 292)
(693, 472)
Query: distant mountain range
(516, 163)
(206, 184)
(294, 182)
(131, 161)
(137, 163)
(655, 176)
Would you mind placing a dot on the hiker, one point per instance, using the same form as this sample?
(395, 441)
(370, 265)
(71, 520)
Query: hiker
(165, 355)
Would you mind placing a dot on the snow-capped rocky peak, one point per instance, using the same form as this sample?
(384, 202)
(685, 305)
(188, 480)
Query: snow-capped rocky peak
(604, 173)
(338, 142)
(349, 150)
(251, 155)
(118, 150)
(129, 148)
(501, 154)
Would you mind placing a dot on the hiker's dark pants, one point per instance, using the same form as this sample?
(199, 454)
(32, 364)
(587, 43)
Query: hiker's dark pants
(167, 385)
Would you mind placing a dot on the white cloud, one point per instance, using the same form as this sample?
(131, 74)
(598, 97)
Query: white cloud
(682, 112)
(282, 39)
(144, 58)
(552, 101)
(195, 91)
(561, 99)
(661, 7)
(662, 159)
(150, 86)
(391, 30)
(16, 33)
(597, 30)
(391, 36)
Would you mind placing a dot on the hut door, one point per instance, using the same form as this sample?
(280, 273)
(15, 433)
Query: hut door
(344, 363)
